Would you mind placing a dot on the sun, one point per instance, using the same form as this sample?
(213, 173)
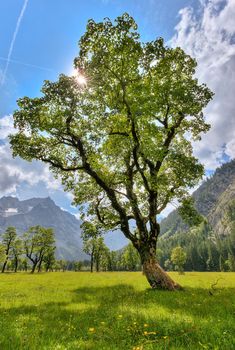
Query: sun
(80, 78)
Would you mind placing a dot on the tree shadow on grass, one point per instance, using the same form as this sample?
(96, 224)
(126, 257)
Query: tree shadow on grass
(117, 317)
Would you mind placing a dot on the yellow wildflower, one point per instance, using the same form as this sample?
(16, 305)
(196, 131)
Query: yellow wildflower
(91, 329)
(146, 325)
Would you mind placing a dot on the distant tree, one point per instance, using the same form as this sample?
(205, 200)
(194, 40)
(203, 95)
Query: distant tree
(24, 264)
(104, 260)
(159, 254)
(8, 240)
(231, 262)
(61, 265)
(77, 266)
(130, 258)
(96, 248)
(122, 142)
(2, 253)
(100, 253)
(17, 251)
(86, 264)
(168, 265)
(210, 264)
(113, 258)
(37, 240)
(90, 233)
(229, 226)
(89, 249)
(178, 258)
(49, 258)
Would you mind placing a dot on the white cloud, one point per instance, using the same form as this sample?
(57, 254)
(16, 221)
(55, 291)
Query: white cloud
(209, 36)
(6, 127)
(13, 172)
(78, 215)
(230, 148)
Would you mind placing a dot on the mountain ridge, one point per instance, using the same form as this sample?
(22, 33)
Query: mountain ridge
(207, 198)
(44, 212)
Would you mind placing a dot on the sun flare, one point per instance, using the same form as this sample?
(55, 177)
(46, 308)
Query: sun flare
(81, 80)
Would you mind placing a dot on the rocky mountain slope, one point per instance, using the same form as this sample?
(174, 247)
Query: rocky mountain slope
(44, 212)
(212, 199)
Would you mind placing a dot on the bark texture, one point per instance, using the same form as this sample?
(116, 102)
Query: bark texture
(157, 277)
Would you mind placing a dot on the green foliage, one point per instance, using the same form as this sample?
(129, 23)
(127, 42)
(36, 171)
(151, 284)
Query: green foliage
(206, 251)
(61, 265)
(119, 142)
(17, 251)
(38, 243)
(130, 259)
(98, 251)
(2, 253)
(8, 241)
(49, 258)
(78, 266)
(178, 258)
(159, 254)
(231, 262)
(188, 213)
(8, 237)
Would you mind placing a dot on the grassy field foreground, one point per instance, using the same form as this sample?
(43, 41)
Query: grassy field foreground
(65, 311)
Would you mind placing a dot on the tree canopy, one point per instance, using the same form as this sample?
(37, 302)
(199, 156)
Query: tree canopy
(121, 142)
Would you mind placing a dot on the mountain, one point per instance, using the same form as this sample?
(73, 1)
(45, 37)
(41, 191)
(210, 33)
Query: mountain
(218, 215)
(44, 212)
(212, 199)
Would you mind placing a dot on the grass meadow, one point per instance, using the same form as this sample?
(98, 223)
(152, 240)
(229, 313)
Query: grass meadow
(115, 311)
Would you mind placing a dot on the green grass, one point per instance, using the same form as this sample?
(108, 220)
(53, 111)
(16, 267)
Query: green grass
(112, 311)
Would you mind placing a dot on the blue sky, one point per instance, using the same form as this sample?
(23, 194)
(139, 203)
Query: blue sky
(50, 30)
(46, 43)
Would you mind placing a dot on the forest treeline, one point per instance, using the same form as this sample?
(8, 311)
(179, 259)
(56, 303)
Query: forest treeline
(205, 250)
(201, 249)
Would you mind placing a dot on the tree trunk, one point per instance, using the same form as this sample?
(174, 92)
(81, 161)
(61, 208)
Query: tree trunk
(156, 276)
(97, 264)
(7, 256)
(16, 264)
(34, 267)
(92, 261)
(40, 265)
(4, 265)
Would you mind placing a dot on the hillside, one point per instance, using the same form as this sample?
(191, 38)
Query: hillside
(44, 212)
(212, 199)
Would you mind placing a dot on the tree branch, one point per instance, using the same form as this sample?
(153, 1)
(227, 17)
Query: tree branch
(60, 166)
(168, 140)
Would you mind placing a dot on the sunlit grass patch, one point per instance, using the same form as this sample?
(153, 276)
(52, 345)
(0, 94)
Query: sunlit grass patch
(115, 311)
